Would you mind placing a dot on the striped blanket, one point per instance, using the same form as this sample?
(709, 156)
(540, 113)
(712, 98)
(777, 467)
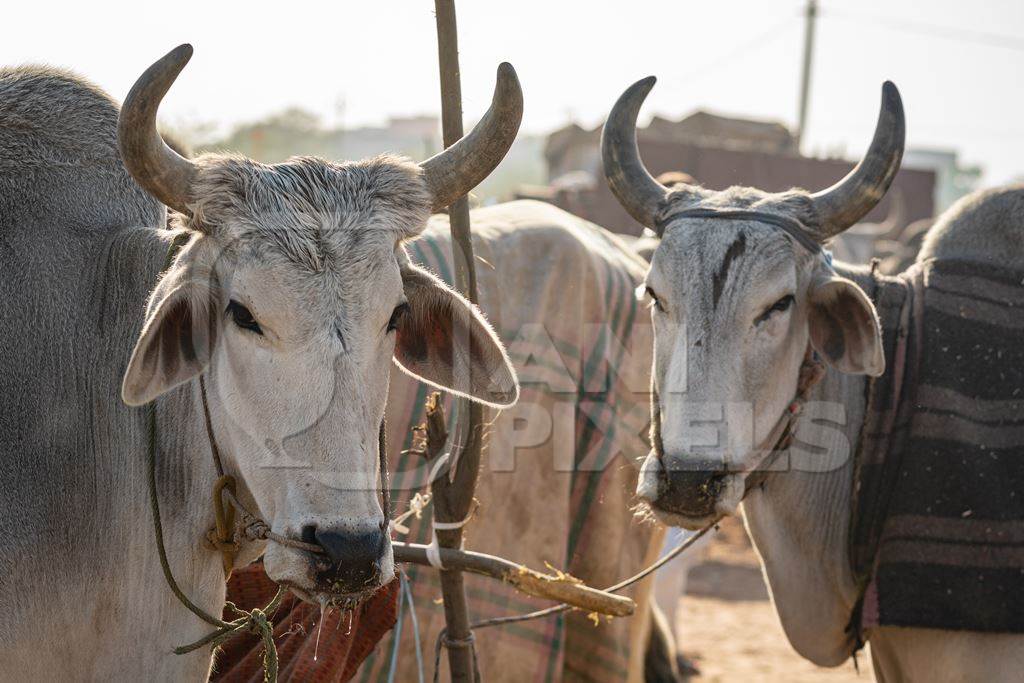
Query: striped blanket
(560, 468)
(937, 536)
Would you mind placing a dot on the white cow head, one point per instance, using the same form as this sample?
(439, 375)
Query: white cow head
(292, 296)
(735, 299)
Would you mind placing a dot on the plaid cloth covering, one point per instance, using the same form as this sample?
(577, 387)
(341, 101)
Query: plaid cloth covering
(937, 536)
(559, 473)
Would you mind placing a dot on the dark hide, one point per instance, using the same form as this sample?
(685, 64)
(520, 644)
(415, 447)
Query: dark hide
(938, 527)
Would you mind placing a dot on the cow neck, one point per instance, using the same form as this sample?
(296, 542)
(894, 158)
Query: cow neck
(254, 621)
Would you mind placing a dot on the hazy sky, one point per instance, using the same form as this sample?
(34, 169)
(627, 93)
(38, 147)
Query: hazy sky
(359, 62)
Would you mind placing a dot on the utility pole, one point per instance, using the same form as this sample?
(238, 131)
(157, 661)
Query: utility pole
(810, 17)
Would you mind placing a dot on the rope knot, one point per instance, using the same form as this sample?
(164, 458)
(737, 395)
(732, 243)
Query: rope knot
(214, 542)
(257, 530)
(257, 622)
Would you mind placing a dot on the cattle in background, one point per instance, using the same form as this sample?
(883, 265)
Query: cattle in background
(747, 311)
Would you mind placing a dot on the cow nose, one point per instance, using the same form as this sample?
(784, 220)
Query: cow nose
(690, 486)
(355, 558)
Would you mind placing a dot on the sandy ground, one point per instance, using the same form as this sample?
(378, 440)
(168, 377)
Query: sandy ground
(727, 626)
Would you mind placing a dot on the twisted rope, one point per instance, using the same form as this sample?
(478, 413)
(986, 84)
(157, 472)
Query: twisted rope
(254, 621)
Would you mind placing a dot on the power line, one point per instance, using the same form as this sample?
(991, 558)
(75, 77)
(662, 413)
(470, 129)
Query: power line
(760, 40)
(985, 38)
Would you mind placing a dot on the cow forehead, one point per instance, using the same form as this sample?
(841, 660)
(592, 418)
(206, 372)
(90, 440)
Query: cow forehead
(349, 285)
(318, 215)
(707, 259)
(703, 256)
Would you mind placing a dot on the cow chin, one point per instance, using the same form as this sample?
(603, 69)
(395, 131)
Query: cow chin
(727, 504)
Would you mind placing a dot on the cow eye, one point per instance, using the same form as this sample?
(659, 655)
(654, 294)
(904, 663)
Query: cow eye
(396, 315)
(243, 317)
(779, 306)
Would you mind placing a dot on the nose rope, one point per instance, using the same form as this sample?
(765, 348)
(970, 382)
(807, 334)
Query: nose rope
(812, 371)
(222, 536)
(780, 438)
(254, 621)
(225, 537)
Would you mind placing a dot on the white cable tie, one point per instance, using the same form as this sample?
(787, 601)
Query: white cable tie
(434, 550)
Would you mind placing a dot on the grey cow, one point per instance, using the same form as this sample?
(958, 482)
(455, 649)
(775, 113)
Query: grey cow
(289, 291)
(743, 301)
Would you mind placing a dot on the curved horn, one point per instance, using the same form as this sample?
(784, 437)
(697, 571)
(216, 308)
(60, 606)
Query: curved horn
(458, 169)
(846, 202)
(639, 193)
(156, 167)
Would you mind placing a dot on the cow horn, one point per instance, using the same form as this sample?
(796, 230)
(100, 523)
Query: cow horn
(849, 200)
(458, 169)
(156, 167)
(639, 193)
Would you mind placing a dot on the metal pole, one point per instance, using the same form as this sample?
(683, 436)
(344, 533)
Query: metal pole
(805, 78)
(453, 494)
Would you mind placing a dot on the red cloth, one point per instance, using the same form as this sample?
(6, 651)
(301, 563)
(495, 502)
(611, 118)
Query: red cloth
(295, 632)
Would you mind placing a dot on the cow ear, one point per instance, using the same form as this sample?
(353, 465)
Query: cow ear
(843, 326)
(179, 332)
(445, 341)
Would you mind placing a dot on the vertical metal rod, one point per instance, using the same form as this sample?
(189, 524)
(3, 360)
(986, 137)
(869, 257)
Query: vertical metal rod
(453, 494)
(805, 77)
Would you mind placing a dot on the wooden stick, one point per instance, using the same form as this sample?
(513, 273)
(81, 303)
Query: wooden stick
(563, 588)
(453, 495)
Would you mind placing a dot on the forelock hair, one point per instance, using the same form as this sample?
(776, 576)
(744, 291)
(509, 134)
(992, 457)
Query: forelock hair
(308, 210)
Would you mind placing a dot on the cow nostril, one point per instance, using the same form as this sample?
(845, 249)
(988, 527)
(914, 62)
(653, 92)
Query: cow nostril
(355, 556)
(309, 534)
(691, 486)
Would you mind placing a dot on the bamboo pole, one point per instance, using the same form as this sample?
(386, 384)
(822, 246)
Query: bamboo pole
(453, 494)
